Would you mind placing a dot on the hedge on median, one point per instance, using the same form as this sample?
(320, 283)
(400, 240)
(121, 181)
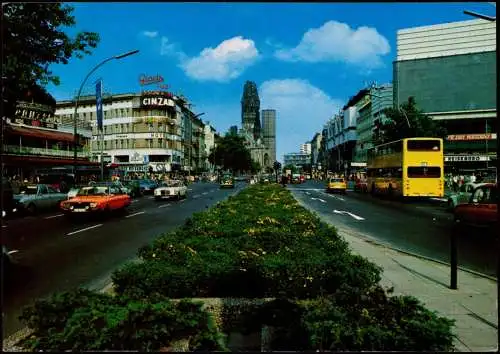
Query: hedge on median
(85, 320)
(258, 244)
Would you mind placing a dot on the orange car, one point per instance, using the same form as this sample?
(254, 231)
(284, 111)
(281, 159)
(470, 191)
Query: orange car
(96, 199)
(481, 210)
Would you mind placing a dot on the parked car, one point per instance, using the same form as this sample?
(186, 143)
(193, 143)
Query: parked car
(227, 181)
(134, 188)
(361, 186)
(35, 197)
(296, 178)
(336, 185)
(147, 186)
(462, 196)
(173, 189)
(97, 199)
(481, 210)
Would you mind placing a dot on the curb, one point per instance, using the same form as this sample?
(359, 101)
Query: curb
(416, 255)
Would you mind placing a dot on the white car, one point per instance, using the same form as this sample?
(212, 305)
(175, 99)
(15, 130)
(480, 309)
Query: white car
(171, 190)
(38, 197)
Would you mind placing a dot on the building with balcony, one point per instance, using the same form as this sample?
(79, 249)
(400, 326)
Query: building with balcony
(33, 138)
(305, 148)
(315, 150)
(450, 70)
(370, 104)
(140, 130)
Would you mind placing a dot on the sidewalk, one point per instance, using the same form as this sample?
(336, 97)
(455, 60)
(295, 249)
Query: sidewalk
(473, 305)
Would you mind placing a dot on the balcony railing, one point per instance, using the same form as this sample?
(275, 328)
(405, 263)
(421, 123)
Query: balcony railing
(23, 150)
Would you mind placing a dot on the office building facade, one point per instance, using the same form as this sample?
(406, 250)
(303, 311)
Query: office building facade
(450, 70)
(142, 131)
(269, 132)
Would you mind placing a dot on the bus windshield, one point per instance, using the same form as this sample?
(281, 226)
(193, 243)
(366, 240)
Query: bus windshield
(423, 145)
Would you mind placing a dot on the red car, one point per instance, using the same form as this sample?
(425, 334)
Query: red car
(481, 210)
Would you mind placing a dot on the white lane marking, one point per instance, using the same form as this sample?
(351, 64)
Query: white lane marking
(204, 193)
(82, 230)
(196, 196)
(151, 197)
(308, 193)
(190, 189)
(348, 213)
(321, 200)
(339, 198)
(138, 213)
(164, 206)
(54, 216)
(183, 200)
(12, 252)
(134, 201)
(4, 226)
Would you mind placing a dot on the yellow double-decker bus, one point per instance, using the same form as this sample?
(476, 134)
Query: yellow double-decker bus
(411, 167)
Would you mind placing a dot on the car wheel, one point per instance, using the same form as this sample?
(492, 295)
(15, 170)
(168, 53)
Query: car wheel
(31, 208)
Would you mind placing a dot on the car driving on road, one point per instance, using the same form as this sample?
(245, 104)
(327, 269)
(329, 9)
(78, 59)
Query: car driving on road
(481, 210)
(171, 190)
(336, 185)
(227, 181)
(35, 197)
(97, 199)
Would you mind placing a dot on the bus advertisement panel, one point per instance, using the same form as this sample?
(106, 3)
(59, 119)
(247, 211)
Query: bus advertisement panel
(411, 167)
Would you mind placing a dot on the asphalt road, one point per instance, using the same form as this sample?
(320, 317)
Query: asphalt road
(55, 254)
(420, 228)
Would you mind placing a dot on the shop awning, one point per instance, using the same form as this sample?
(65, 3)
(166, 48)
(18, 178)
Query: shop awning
(40, 133)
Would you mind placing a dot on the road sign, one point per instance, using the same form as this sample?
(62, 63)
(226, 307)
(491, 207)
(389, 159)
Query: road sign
(98, 97)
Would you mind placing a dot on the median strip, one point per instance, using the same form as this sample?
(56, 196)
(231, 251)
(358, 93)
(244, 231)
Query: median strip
(82, 230)
(138, 213)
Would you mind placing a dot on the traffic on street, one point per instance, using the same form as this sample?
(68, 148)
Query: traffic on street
(422, 227)
(52, 253)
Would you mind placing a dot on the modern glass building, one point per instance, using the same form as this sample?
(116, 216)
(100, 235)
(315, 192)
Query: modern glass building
(450, 70)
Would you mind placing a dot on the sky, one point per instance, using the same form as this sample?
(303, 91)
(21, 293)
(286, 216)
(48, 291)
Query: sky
(307, 59)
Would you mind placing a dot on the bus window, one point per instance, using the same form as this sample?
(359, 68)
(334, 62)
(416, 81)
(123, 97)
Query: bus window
(423, 145)
(424, 172)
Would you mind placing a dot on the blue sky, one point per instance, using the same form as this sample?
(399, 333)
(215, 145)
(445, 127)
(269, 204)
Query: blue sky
(306, 59)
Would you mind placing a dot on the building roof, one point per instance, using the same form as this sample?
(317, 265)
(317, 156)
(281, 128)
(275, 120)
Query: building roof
(39, 133)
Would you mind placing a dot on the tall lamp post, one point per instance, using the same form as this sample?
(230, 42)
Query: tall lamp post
(492, 19)
(75, 137)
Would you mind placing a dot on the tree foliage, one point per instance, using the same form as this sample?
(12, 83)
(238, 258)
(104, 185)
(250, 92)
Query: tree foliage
(405, 122)
(231, 154)
(34, 37)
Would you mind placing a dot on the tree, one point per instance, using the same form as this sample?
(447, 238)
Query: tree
(405, 122)
(231, 154)
(33, 38)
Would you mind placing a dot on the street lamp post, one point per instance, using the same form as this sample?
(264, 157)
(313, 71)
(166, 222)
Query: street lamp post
(75, 137)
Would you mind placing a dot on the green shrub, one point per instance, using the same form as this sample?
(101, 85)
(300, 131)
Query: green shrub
(113, 323)
(358, 320)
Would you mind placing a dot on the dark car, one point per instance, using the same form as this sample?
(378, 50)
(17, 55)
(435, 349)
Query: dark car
(135, 188)
(9, 203)
(147, 186)
(227, 181)
(481, 210)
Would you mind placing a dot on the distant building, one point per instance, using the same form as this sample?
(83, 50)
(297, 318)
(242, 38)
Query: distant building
(269, 132)
(315, 148)
(305, 148)
(451, 71)
(233, 130)
(297, 159)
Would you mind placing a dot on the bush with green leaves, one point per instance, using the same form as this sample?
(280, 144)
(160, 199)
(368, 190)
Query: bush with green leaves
(84, 320)
(260, 243)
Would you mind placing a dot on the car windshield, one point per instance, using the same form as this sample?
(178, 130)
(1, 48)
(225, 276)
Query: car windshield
(29, 190)
(336, 180)
(94, 190)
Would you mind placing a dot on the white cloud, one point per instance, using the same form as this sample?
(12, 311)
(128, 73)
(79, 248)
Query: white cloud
(302, 109)
(336, 41)
(150, 34)
(225, 62)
